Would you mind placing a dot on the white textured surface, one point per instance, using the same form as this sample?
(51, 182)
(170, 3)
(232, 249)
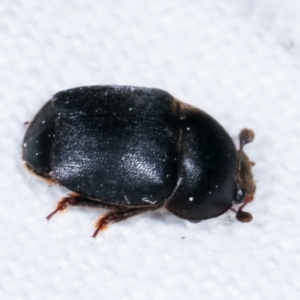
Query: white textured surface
(237, 60)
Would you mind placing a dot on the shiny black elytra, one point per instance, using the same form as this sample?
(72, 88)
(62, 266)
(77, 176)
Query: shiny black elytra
(132, 150)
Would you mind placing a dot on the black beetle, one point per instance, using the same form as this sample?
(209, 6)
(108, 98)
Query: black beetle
(133, 150)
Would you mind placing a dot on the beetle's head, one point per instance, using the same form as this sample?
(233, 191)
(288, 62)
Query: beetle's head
(245, 180)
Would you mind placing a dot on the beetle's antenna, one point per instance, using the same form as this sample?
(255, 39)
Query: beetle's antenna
(246, 136)
(246, 181)
(241, 215)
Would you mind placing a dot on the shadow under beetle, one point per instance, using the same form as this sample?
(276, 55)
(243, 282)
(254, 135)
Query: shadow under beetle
(132, 150)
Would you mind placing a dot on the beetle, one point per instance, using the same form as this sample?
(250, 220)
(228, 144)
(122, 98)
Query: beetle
(132, 150)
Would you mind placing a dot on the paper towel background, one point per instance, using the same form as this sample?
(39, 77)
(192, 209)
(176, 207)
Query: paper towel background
(237, 60)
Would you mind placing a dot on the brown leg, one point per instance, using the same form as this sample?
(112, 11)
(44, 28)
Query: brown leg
(77, 200)
(116, 213)
(117, 216)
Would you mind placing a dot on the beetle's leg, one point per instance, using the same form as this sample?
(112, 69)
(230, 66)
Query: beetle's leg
(76, 200)
(120, 215)
(241, 215)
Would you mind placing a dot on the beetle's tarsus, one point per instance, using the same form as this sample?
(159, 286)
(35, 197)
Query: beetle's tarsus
(113, 217)
(103, 222)
(52, 214)
(63, 204)
(117, 216)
